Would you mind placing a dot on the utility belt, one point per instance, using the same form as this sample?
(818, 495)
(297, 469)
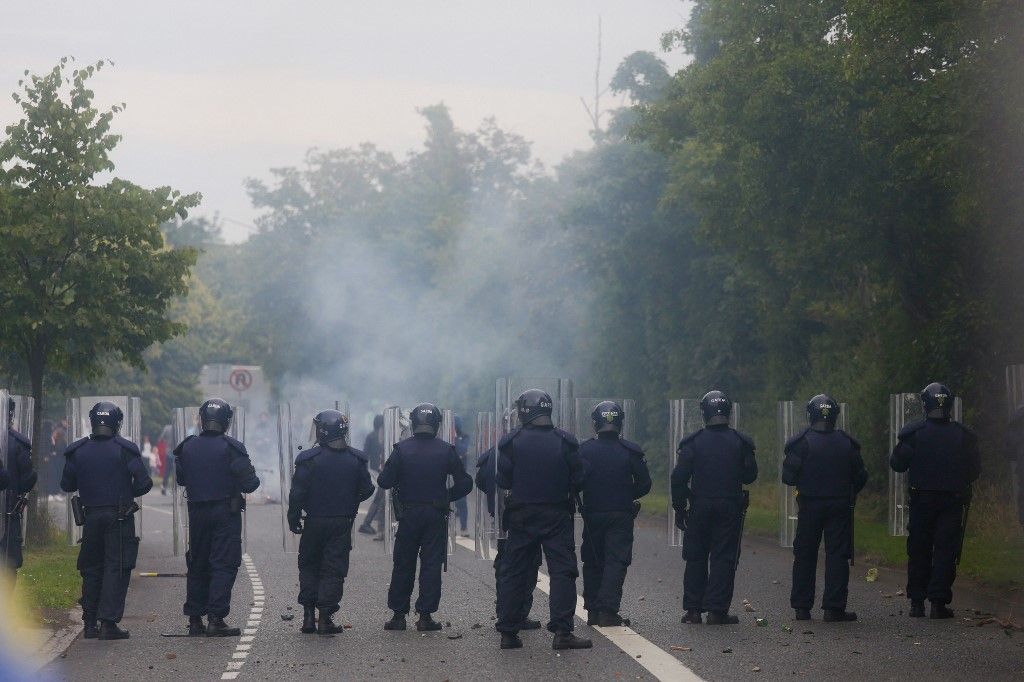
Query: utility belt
(124, 510)
(236, 503)
(512, 505)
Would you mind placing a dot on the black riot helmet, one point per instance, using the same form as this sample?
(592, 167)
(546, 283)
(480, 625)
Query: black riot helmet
(105, 419)
(608, 417)
(822, 412)
(716, 408)
(215, 415)
(937, 400)
(425, 419)
(331, 429)
(534, 407)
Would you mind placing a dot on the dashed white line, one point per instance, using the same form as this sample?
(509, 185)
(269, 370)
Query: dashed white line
(244, 646)
(661, 664)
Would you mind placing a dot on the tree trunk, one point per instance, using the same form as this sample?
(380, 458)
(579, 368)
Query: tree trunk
(38, 521)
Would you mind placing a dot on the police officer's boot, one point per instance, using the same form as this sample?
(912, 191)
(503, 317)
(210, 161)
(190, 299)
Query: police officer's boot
(216, 627)
(510, 640)
(366, 529)
(917, 609)
(721, 618)
(567, 640)
(838, 615)
(940, 611)
(397, 622)
(109, 630)
(196, 627)
(427, 624)
(592, 617)
(693, 617)
(530, 624)
(308, 620)
(607, 619)
(91, 630)
(326, 625)
(803, 614)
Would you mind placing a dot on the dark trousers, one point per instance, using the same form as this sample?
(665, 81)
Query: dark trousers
(423, 532)
(376, 510)
(324, 547)
(462, 510)
(607, 552)
(10, 545)
(530, 529)
(499, 559)
(215, 553)
(710, 544)
(935, 527)
(828, 516)
(105, 561)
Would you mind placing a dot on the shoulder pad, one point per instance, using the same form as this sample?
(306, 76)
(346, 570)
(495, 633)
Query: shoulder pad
(236, 445)
(128, 445)
(746, 439)
(16, 435)
(688, 438)
(509, 437)
(74, 446)
(359, 454)
(911, 428)
(632, 447)
(181, 445)
(307, 455)
(853, 440)
(567, 437)
(792, 441)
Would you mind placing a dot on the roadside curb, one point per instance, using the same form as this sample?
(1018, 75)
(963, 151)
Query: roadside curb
(59, 641)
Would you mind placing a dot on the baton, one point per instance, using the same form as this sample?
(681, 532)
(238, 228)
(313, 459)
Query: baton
(963, 527)
(743, 520)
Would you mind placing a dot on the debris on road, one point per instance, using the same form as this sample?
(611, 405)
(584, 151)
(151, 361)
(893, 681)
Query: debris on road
(756, 669)
(787, 629)
(727, 650)
(681, 648)
(287, 616)
(171, 656)
(476, 626)
(872, 575)
(761, 622)
(455, 635)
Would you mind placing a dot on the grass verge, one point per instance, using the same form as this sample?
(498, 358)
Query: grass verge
(49, 579)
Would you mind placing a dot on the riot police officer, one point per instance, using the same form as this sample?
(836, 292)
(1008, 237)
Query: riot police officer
(107, 471)
(541, 468)
(485, 482)
(825, 465)
(215, 470)
(418, 471)
(710, 503)
(21, 479)
(942, 461)
(330, 481)
(617, 476)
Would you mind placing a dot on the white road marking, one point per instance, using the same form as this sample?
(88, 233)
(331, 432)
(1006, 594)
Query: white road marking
(228, 676)
(157, 510)
(238, 656)
(661, 664)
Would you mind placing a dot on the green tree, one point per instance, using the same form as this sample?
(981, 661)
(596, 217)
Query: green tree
(84, 272)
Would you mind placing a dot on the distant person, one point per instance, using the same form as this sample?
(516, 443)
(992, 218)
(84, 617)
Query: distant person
(20, 480)
(107, 472)
(617, 476)
(330, 481)
(1015, 452)
(708, 497)
(941, 459)
(59, 440)
(418, 470)
(215, 471)
(373, 448)
(462, 450)
(825, 466)
(149, 455)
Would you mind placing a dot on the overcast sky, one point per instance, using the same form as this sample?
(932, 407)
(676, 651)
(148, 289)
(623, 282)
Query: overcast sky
(221, 90)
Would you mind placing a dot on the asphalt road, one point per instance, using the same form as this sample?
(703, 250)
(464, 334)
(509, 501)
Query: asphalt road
(883, 645)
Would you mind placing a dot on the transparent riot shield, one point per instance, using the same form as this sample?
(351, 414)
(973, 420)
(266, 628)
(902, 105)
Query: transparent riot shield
(684, 417)
(789, 423)
(286, 453)
(393, 429)
(6, 496)
(22, 421)
(506, 391)
(584, 424)
(485, 530)
(448, 435)
(78, 423)
(905, 408)
(184, 423)
(237, 431)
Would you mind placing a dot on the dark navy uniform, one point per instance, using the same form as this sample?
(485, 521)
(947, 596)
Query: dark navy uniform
(21, 479)
(941, 459)
(714, 464)
(485, 482)
(828, 472)
(541, 468)
(328, 486)
(418, 470)
(215, 470)
(108, 473)
(616, 476)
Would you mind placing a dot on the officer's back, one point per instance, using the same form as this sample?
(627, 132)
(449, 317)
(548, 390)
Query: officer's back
(206, 466)
(336, 479)
(938, 454)
(535, 464)
(421, 470)
(103, 470)
(719, 458)
(829, 464)
(616, 473)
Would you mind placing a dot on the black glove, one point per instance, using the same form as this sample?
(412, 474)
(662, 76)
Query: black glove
(636, 508)
(295, 525)
(681, 519)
